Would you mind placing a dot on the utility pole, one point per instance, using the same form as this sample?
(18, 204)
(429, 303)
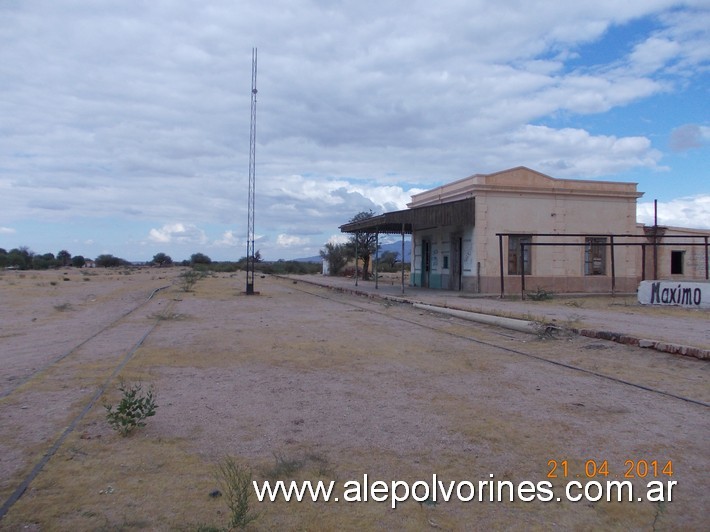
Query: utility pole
(251, 253)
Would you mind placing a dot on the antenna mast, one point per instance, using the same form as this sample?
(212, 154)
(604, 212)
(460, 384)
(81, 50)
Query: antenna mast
(251, 258)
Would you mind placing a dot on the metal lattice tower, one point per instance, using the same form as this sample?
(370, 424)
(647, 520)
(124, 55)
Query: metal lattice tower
(251, 258)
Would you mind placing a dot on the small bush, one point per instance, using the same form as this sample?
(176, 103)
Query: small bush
(133, 409)
(236, 482)
(540, 295)
(284, 467)
(166, 316)
(189, 278)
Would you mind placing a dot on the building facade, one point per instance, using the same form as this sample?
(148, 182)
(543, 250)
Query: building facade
(518, 228)
(515, 207)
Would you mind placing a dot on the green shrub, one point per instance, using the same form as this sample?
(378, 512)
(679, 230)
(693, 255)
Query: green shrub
(540, 295)
(132, 410)
(189, 278)
(236, 482)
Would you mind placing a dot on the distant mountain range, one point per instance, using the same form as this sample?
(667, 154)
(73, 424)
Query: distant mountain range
(396, 247)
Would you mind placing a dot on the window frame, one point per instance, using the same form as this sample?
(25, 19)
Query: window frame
(595, 253)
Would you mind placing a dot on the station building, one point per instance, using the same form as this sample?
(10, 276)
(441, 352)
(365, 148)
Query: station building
(519, 229)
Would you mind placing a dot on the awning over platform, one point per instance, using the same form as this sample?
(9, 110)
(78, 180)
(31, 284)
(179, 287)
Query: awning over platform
(408, 220)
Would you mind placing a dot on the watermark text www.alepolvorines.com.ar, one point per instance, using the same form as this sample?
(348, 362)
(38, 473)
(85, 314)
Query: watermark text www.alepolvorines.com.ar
(437, 491)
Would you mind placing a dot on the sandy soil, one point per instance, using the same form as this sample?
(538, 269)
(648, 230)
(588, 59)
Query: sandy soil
(336, 385)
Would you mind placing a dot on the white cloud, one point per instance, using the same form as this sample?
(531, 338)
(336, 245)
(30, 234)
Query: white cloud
(692, 212)
(183, 233)
(307, 200)
(138, 111)
(339, 238)
(7, 231)
(228, 239)
(653, 54)
(288, 241)
(574, 152)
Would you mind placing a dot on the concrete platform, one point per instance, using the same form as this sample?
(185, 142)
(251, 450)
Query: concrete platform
(616, 318)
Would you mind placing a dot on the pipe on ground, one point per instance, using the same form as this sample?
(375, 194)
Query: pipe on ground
(508, 323)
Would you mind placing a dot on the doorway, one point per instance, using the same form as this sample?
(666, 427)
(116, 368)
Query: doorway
(455, 281)
(426, 262)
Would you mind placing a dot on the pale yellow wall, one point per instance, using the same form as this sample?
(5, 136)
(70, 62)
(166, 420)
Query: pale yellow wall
(521, 200)
(499, 213)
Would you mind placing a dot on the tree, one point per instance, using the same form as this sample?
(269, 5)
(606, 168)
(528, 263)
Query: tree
(109, 261)
(20, 258)
(161, 259)
(336, 255)
(78, 261)
(388, 260)
(44, 262)
(64, 258)
(200, 258)
(364, 241)
(242, 262)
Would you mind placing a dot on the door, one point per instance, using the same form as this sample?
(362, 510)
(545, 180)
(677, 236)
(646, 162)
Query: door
(456, 262)
(426, 262)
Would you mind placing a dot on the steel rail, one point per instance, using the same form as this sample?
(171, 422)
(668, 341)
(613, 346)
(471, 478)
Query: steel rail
(516, 351)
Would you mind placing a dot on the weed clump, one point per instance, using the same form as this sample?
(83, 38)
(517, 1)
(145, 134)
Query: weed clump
(189, 278)
(285, 467)
(236, 482)
(540, 295)
(133, 409)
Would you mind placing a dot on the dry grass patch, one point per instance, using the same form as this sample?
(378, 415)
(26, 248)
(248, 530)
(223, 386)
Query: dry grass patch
(104, 483)
(294, 387)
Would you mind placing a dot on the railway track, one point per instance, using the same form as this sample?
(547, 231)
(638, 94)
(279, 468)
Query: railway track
(475, 335)
(104, 375)
(45, 367)
(434, 320)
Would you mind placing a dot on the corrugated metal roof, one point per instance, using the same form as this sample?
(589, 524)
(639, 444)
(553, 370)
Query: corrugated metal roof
(408, 220)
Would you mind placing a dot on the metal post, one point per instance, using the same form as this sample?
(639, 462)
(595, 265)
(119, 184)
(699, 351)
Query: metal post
(706, 259)
(500, 252)
(357, 268)
(522, 270)
(410, 266)
(655, 240)
(377, 256)
(613, 267)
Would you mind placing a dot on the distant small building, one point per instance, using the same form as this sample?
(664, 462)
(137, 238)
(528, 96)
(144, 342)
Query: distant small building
(491, 233)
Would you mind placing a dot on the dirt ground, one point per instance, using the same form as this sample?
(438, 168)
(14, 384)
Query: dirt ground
(335, 387)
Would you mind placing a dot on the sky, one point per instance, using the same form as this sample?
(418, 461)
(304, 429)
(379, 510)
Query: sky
(125, 125)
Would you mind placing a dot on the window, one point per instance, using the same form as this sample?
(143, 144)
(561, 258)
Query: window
(595, 256)
(677, 262)
(446, 262)
(515, 260)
